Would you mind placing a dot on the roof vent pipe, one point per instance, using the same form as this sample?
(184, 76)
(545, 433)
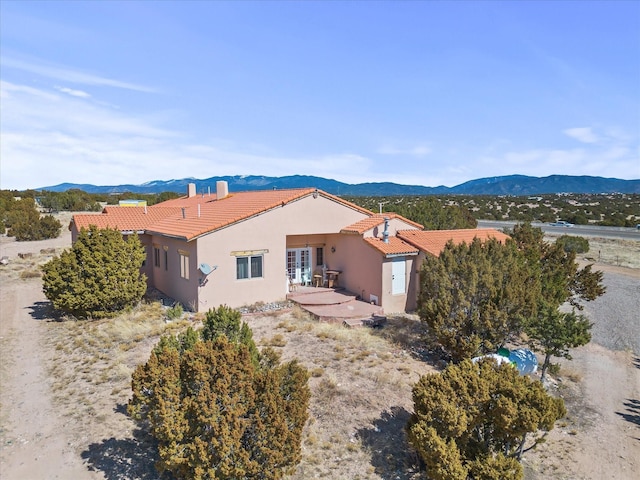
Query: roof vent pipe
(209, 191)
(385, 234)
(183, 213)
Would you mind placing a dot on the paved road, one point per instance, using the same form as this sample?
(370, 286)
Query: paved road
(580, 230)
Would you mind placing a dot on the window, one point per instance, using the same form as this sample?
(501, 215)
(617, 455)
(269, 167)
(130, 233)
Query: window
(166, 259)
(156, 256)
(184, 264)
(249, 267)
(319, 256)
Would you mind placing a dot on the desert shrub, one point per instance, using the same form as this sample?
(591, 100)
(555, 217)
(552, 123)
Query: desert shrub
(175, 312)
(25, 223)
(98, 277)
(214, 411)
(569, 243)
(471, 420)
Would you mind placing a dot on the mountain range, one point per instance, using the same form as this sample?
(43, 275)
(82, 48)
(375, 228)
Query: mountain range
(505, 185)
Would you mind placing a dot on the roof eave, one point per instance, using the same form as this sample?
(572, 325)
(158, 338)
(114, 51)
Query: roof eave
(406, 254)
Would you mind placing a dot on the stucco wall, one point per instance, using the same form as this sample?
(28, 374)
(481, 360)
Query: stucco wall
(269, 231)
(401, 302)
(168, 279)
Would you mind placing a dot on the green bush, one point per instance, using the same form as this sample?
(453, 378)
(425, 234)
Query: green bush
(98, 277)
(25, 223)
(471, 420)
(574, 244)
(175, 312)
(214, 411)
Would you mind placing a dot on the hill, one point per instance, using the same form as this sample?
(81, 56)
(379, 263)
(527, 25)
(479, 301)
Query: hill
(505, 185)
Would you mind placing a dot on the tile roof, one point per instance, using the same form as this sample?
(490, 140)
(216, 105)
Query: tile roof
(124, 218)
(395, 246)
(190, 217)
(434, 241)
(375, 220)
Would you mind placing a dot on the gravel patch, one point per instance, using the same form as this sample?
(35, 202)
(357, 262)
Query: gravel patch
(616, 314)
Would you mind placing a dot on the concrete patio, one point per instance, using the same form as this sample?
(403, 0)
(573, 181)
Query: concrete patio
(336, 306)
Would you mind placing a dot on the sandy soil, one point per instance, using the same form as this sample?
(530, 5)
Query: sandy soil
(358, 433)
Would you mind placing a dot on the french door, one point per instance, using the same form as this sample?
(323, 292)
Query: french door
(299, 265)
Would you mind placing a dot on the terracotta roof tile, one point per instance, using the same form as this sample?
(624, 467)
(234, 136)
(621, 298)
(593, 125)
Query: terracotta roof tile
(395, 246)
(190, 217)
(375, 220)
(124, 218)
(434, 241)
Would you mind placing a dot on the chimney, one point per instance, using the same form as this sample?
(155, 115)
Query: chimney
(385, 234)
(191, 190)
(222, 189)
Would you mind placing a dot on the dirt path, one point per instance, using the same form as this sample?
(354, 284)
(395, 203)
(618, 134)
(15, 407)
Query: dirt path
(610, 389)
(34, 445)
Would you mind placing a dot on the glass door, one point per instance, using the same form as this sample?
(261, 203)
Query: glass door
(299, 265)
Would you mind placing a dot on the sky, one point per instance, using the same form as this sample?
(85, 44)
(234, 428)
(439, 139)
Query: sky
(417, 92)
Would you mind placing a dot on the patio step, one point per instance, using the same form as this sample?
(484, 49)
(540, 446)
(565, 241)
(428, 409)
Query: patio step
(335, 307)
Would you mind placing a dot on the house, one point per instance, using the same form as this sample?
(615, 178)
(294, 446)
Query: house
(239, 248)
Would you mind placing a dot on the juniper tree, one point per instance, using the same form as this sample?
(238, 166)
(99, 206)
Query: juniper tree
(26, 224)
(550, 330)
(99, 276)
(215, 410)
(553, 333)
(560, 277)
(471, 420)
(475, 296)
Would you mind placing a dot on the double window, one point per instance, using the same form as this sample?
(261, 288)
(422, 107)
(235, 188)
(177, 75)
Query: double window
(249, 267)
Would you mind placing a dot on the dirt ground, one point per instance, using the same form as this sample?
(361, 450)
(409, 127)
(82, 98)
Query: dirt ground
(65, 384)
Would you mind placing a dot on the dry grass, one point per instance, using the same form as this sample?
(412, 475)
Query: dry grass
(609, 251)
(361, 382)
(93, 359)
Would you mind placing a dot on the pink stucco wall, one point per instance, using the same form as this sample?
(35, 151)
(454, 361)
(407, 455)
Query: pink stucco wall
(308, 220)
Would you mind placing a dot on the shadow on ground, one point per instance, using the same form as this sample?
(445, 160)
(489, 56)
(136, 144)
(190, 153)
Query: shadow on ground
(124, 458)
(632, 413)
(41, 311)
(411, 335)
(386, 441)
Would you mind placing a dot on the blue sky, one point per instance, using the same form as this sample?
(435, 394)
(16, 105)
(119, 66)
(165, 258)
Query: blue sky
(421, 93)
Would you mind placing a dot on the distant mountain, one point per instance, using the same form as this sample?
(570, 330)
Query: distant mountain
(506, 185)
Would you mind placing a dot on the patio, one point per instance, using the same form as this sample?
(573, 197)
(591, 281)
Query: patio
(336, 306)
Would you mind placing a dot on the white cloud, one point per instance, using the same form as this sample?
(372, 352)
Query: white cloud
(582, 134)
(53, 138)
(73, 93)
(596, 161)
(69, 75)
(50, 136)
(417, 151)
